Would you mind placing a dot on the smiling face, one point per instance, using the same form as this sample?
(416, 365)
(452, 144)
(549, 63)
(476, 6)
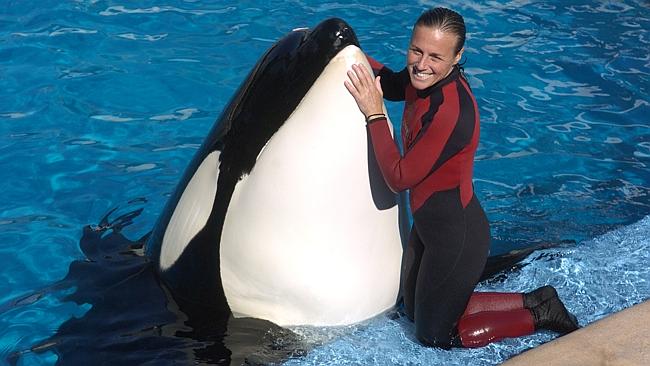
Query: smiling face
(431, 56)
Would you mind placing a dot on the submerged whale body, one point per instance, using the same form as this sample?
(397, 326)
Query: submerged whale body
(282, 214)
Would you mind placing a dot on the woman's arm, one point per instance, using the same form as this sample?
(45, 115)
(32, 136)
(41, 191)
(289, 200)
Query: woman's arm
(404, 172)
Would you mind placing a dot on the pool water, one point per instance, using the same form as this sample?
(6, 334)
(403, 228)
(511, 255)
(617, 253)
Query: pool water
(103, 104)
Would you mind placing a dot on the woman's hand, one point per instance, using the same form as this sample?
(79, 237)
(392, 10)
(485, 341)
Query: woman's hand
(365, 90)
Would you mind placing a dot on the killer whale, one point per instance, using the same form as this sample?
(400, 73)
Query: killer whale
(282, 214)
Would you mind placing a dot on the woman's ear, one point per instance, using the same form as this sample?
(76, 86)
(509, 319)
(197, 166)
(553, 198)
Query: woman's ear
(459, 55)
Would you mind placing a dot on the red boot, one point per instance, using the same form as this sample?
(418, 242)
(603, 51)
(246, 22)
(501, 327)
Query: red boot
(503, 301)
(493, 301)
(480, 329)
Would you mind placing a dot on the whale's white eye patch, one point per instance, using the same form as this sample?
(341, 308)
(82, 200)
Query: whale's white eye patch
(191, 212)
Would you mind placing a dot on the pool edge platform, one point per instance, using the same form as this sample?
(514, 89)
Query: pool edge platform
(618, 339)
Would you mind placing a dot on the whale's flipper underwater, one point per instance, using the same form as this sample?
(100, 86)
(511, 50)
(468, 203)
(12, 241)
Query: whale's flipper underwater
(282, 218)
(132, 320)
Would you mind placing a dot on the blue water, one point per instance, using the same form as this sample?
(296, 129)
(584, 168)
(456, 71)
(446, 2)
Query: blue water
(103, 103)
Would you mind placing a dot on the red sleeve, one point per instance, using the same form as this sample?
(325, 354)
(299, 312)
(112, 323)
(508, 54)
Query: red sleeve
(402, 173)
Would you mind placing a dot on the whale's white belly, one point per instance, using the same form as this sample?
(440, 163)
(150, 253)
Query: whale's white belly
(302, 241)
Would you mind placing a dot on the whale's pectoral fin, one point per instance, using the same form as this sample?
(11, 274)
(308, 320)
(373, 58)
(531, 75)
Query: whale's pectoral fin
(382, 196)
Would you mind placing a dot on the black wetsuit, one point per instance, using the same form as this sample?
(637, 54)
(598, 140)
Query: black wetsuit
(449, 241)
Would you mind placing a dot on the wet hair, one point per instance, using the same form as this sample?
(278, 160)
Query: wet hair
(447, 21)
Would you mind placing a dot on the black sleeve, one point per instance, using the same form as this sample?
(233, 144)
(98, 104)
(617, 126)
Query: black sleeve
(394, 83)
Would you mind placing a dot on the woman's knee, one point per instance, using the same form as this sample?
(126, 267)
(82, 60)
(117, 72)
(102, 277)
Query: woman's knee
(432, 338)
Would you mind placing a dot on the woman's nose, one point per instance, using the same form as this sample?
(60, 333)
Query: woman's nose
(422, 63)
